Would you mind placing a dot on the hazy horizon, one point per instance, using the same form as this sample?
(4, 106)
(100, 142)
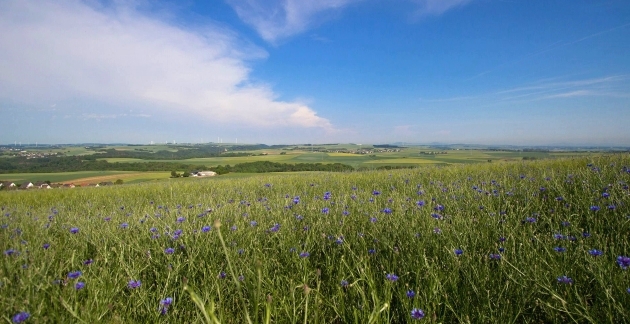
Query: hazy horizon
(478, 72)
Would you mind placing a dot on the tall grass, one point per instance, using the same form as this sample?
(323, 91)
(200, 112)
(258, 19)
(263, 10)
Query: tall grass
(328, 248)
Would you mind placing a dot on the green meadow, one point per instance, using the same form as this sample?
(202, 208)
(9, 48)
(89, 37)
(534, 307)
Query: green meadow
(503, 242)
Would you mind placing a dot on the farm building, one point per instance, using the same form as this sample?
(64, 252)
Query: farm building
(203, 173)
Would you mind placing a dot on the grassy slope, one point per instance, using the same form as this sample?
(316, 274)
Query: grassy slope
(521, 287)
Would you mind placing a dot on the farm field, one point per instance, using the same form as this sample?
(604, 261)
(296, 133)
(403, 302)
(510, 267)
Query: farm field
(408, 156)
(507, 242)
(85, 177)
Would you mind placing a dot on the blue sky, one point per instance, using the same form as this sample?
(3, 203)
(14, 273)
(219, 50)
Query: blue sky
(524, 72)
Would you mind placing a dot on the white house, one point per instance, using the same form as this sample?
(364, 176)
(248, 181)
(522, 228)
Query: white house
(204, 174)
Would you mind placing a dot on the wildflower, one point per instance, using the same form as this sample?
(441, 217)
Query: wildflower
(74, 274)
(371, 251)
(206, 229)
(124, 225)
(459, 252)
(74, 230)
(417, 314)
(46, 246)
(373, 219)
(339, 240)
(594, 208)
(605, 195)
(501, 249)
(325, 210)
(411, 294)
(180, 219)
(164, 305)
(586, 234)
(495, 256)
(233, 228)
(9, 252)
(88, 262)
(222, 275)
(304, 255)
(345, 213)
(558, 236)
(530, 220)
(275, 228)
(623, 262)
(387, 210)
(559, 249)
(420, 203)
(133, 284)
(595, 252)
(169, 250)
(241, 278)
(79, 285)
(327, 195)
(565, 280)
(437, 230)
(20, 317)
(438, 208)
(376, 192)
(344, 283)
(436, 216)
(391, 277)
(296, 200)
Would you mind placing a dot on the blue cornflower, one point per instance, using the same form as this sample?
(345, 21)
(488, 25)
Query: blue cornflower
(345, 213)
(327, 195)
(391, 277)
(411, 294)
(46, 246)
(222, 275)
(241, 278)
(74, 230)
(376, 192)
(436, 216)
(133, 284)
(233, 228)
(275, 228)
(339, 240)
(605, 195)
(586, 234)
(459, 251)
(437, 230)
(373, 219)
(164, 305)
(325, 210)
(565, 280)
(9, 252)
(180, 219)
(169, 250)
(371, 251)
(417, 314)
(494, 256)
(124, 225)
(387, 210)
(558, 236)
(79, 285)
(530, 220)
(623, 262)
(206, 229)
(88, 262)
(438, 208)
(501, 249)
(20, 317)
(594, 208)
(344, 283)
(296, 200)
(153, 230)
(74, 274)
(304, 255)
(420, 203)
(559, 249)
(595, 252)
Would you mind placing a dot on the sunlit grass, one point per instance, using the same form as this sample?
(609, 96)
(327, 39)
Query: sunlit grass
(326, 247)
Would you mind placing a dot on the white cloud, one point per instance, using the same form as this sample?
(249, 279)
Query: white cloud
(55, 51)
(277, 19)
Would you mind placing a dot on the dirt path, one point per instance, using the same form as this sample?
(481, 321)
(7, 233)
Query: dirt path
(104, 178)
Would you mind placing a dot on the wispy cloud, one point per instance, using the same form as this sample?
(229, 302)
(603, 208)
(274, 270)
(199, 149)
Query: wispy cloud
(278, 19)
(55, 51)
(438, 7)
